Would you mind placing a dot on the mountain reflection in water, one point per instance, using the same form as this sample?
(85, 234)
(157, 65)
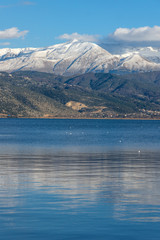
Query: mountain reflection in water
(128, 181)
(79, 179)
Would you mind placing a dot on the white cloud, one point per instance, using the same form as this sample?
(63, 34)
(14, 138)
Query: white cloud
(81, 37)
(12, 33)
(142, 34)
(4, 43)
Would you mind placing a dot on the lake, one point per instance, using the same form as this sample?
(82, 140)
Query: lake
(79, 179)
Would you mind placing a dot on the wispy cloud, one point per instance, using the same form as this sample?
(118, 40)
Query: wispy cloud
(141, 34)
(6, 6)
(81, 37)
(12, 33)
(27, 3)
(4, 43)
(22, 3)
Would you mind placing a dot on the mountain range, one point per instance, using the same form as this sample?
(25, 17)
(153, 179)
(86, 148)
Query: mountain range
(80, 80)
(77, 57)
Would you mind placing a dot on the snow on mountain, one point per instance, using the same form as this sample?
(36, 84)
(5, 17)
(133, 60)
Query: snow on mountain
(134, 58)
(64, 59)
(78, 57)
(136, 63)
(150, 53)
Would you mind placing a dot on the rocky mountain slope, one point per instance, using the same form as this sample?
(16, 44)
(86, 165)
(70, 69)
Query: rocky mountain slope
(90, 95)
(62, 59)
(78, 57)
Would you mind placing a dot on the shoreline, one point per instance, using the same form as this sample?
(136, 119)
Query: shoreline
(74, 118)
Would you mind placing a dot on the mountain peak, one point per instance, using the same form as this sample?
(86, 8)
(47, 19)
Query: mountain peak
(76, 40)
(62, 59)
(77, 57)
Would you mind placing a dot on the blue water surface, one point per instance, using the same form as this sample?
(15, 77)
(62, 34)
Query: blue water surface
(80, 134)
(79, 179)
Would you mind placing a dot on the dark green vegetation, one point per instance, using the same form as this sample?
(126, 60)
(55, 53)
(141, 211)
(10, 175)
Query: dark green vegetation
(34, 94)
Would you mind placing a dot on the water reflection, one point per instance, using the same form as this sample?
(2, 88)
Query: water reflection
(127, 183)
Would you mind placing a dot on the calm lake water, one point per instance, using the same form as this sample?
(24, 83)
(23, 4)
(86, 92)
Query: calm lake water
(79, 179)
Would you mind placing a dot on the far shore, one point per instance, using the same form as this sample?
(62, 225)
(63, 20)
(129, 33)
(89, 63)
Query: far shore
(78, 118)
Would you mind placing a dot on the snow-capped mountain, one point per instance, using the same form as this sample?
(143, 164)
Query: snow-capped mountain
(63, 59)
(78, 57)
(149, 53)
(136, 63)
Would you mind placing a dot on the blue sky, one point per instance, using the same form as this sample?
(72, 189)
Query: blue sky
(40, 22)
